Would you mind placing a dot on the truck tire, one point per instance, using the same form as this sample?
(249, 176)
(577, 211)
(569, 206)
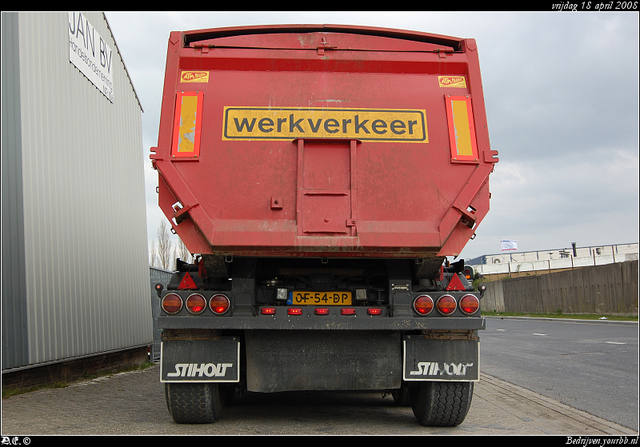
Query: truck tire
(227, 394)
(193, 403)
(401, 396)
(441, 403)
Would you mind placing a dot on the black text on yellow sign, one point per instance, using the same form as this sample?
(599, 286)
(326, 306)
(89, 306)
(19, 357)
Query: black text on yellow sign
(262, 123)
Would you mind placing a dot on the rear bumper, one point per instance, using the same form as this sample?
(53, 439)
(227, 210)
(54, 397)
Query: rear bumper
(277, 360)
(308, 321)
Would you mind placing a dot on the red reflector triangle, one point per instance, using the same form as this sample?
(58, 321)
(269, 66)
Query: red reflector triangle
(455, 283)
(187, 282)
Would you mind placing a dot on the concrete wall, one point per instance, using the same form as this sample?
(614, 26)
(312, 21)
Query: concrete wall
(605, 289)
(520, 267)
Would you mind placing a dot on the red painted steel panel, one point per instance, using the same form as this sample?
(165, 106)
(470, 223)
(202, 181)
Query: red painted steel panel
(346, 128)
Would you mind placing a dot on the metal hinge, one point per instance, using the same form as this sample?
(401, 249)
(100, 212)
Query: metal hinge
(442, 52)
(325, 46)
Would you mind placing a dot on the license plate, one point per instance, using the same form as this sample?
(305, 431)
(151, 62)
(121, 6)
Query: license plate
(320, 298)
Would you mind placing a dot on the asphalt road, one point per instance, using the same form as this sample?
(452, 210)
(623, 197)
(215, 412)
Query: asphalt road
(134, 404)
(589, 366)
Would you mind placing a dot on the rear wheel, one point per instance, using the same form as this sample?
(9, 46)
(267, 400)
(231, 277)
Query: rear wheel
(401, 396)
(194, 403)
(227, 394)
(441, 403)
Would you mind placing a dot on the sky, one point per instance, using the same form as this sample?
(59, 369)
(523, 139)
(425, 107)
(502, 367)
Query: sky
(561, 96)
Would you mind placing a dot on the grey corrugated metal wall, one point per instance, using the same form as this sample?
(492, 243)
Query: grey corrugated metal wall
(84, 220)
(14, 316)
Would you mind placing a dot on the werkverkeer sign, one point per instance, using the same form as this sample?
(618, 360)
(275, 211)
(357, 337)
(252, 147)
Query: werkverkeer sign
(89, 52)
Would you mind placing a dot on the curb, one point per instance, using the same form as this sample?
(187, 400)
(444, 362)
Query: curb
(567, 320)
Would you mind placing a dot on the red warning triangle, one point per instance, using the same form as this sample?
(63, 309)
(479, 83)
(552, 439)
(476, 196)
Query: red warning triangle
(187, 282)
(455, 283)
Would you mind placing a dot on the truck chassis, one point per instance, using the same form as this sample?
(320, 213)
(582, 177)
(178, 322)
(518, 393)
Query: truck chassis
(379, 340)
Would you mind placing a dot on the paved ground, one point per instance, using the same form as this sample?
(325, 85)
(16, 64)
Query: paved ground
(588, 365)
(134, 404)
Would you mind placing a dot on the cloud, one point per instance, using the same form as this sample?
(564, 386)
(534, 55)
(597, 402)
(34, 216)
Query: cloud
(549, 203)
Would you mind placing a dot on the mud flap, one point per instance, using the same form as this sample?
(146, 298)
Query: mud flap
(200, 360)
(323, 360)
(441, 360)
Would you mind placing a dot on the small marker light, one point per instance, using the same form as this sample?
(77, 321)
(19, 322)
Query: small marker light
(446, 305)
(171, 303)
(423, 305)
(196, 304)
(469, 304)
(219, 304)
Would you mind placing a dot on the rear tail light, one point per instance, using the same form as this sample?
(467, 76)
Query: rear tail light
(348, 311)
(469, 304)
(374, 311)
(321, 311)
(219, 304)
(171, 303)
(294, 311)
(446, 305)
(196, 304)
(268, 311)
(423, 305)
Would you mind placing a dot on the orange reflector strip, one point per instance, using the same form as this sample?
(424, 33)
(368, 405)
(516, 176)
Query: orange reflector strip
(462, 133)
(187, 124)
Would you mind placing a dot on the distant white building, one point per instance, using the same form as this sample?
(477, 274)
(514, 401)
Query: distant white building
(558, 258)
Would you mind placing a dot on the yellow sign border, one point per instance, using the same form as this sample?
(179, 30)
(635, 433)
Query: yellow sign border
(288, 123)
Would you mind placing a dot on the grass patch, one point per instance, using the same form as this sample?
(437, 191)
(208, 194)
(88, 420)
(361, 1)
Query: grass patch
(561, 315)
(14, 391)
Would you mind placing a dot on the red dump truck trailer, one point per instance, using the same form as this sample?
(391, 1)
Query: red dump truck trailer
(321, 175)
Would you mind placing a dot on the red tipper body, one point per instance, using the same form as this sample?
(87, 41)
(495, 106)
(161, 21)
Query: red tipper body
(323, 141)
(321, 175)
